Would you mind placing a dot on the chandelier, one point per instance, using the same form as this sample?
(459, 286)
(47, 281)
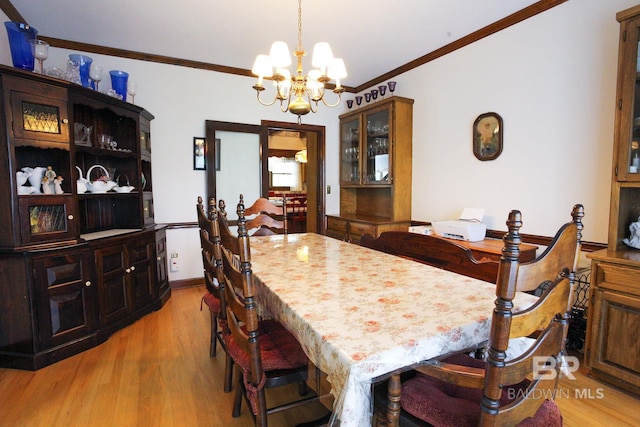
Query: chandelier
(298, 93)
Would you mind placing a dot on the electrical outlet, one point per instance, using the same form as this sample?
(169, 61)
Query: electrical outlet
(328, 189)
(174, 264)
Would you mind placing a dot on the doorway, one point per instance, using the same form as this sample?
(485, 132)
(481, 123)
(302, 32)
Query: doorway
(231, 157)
(303, 147)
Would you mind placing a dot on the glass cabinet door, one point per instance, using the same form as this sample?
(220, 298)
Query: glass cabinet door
(46, 218)
(38, 115)
(377, 162)
(350, 151)
(628, 167)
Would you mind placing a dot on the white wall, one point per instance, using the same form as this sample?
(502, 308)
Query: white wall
(552, 79)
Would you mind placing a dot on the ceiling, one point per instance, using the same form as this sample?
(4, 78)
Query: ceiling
(374, 37)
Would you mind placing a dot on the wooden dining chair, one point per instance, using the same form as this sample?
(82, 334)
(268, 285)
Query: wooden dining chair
(463, 391)
(298, 214)
(264, 216)
(214, 298)
(213, 294)
(265, 353)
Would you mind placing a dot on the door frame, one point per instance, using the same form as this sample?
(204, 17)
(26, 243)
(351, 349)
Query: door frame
(319, 156)
(211, 126)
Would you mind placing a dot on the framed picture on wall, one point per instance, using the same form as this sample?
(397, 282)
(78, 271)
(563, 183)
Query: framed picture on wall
(487, 136)
(199, 154)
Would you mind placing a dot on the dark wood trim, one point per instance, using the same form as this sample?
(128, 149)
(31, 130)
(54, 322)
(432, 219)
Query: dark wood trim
(111, 51)
(517, 17)
(178, 225)
(12, 13)
(186, 283)
(514, 18)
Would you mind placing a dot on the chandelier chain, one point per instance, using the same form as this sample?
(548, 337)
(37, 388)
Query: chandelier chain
(299, 25)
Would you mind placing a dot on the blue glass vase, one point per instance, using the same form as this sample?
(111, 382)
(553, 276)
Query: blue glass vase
(20, 36)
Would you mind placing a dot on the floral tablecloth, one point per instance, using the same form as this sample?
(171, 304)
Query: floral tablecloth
(360, 313)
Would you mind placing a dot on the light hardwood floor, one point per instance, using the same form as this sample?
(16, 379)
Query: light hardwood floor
(157, 372)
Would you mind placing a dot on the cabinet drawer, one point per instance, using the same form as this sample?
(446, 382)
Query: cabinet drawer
(337, 224)
(619, 278)
(362, 228)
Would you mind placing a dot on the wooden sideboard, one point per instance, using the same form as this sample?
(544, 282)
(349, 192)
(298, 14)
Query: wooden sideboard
(351, 228)
(491, 249)
(473, 259)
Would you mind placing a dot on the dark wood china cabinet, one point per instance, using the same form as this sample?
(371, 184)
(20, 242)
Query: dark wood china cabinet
(612, 350)
(76, 263)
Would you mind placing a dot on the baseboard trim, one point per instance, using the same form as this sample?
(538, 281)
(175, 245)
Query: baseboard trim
(186, 283)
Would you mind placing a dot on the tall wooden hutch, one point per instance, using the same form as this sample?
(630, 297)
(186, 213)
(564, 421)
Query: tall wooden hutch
(612, 349)
(375, 170)
(74, 266)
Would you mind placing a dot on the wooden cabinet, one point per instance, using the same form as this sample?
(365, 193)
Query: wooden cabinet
(126, 277)
(66, 296)
(74, 132)
(375, 169)
(612, 347)
(46, 218)
(74, 265)
(37, 113)
(612, 351)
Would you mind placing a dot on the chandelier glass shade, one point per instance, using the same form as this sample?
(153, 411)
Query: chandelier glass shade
(299, 93)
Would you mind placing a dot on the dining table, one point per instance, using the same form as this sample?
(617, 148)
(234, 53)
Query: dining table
(360, 314)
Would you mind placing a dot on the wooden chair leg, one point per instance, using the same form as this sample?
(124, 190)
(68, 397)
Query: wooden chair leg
(228, 374)
(237, 398)
(213, 347)
(381, 419)
(302, 388)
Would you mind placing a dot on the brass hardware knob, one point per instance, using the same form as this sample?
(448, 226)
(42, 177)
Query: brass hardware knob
(133, 267)
(128, 270)
(87, 283)
(70, 217)
(65, 121)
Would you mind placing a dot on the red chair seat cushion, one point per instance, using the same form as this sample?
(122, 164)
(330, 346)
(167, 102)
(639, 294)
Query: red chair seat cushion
(442, 404)
(278, 348)
(212, 302)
